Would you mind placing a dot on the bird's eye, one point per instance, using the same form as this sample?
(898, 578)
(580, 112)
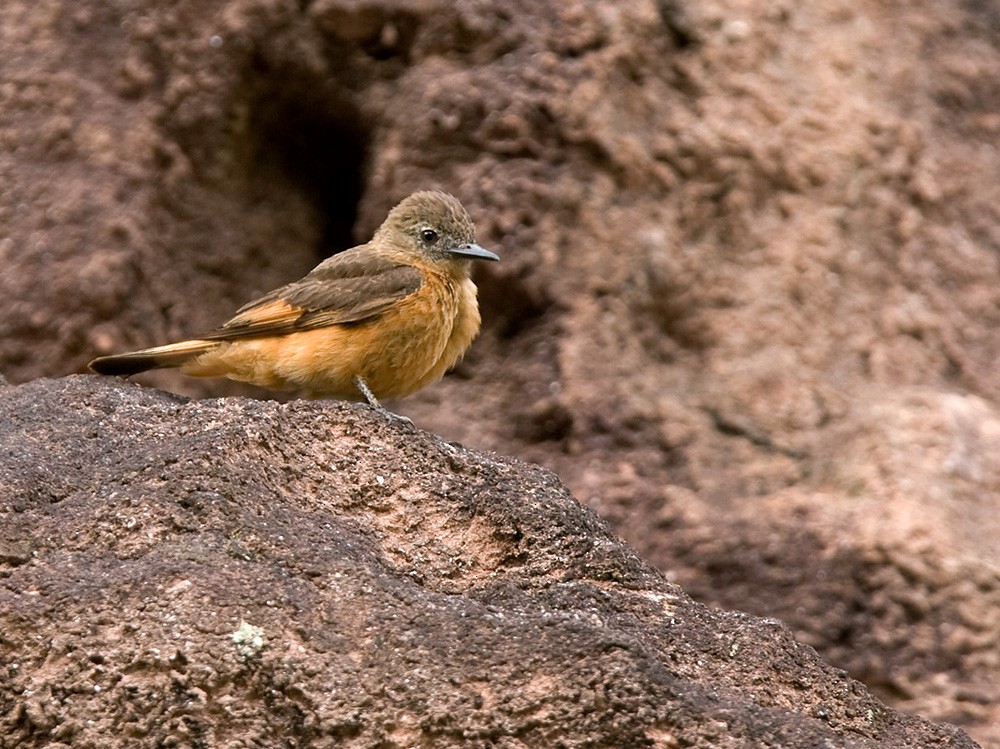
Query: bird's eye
(429, 236)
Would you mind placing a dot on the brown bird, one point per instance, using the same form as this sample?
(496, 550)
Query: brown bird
(380, 320)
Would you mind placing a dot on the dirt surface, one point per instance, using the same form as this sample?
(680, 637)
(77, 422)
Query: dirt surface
(748, 303)
(245, 573)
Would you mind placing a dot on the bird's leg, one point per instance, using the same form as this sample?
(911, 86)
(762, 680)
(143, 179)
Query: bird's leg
(362, 386)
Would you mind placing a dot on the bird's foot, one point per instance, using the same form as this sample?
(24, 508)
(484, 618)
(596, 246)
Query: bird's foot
(390, 416)
(366, 391)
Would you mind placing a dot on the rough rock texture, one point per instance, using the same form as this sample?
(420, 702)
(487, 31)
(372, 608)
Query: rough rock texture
(246, 573)
(748, 304)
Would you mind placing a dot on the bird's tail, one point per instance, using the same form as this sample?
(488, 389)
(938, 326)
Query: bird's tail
(171, 355)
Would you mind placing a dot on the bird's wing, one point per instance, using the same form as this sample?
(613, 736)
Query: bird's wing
(347, 288)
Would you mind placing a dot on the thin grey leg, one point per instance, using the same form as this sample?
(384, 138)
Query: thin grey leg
(362, 386)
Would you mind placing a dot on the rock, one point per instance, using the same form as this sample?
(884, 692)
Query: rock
(249, 573)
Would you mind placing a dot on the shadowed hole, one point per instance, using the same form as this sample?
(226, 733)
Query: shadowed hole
(319, 145)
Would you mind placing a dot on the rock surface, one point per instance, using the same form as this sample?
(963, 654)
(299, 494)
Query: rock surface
(749, 302)
(246, 573)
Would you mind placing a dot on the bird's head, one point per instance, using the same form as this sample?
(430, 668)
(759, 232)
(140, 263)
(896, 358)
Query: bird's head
(435, 226)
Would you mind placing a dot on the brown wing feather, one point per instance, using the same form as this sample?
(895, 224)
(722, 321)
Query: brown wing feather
(351, 287)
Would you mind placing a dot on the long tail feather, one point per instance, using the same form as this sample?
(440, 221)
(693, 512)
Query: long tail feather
(171, 355)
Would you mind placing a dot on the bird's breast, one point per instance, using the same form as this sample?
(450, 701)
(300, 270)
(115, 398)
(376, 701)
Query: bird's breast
(422, 337)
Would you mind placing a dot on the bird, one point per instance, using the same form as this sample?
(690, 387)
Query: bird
(378, 321)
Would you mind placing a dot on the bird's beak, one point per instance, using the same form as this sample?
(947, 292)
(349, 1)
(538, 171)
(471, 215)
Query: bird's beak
(473, 251)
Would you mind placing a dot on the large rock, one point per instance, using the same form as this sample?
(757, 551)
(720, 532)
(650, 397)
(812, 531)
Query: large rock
(748, 303)
(245, 573)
